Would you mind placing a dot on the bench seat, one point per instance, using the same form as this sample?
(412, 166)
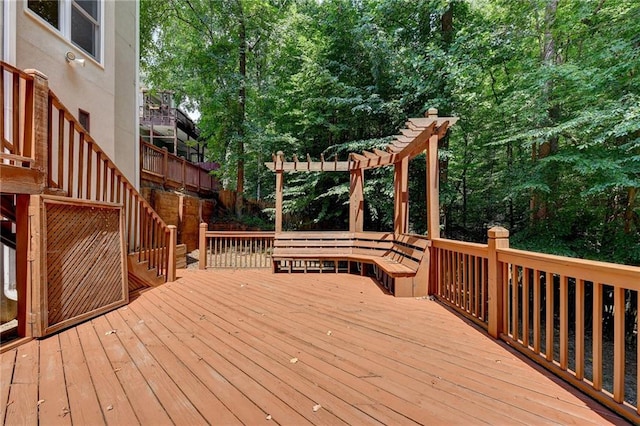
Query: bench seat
(394, 260)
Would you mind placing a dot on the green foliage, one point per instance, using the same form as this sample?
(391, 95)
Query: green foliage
(548, 102)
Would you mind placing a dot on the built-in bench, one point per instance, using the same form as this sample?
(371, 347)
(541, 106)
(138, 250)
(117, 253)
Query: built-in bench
(398, 262)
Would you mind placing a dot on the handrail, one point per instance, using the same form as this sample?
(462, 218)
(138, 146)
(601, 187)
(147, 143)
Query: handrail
(607, 273)
(174, 171)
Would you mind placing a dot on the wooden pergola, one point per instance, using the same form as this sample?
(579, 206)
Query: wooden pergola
(420, 135)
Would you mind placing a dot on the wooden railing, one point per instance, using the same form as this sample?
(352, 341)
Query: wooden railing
(569, 315)
(22, 151)
(460, 277)
(16, 121)
(53, 142)
(546, 300)
(235, 249)
(158, 165)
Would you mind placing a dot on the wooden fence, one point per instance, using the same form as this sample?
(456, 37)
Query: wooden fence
(158, 165)
(47, 139)
(235, 249)
(556, 310)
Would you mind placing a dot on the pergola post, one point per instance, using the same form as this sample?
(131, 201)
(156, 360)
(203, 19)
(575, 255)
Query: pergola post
(401, 196)
(356, 200)
(279, 186)
(433, 188)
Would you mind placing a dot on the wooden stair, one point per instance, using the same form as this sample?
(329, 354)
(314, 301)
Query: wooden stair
(140, 275)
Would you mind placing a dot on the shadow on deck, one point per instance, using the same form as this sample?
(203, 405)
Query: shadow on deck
(247, 346)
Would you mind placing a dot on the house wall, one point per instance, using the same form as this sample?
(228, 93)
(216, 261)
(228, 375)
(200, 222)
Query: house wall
(126, 90)
(106, 90)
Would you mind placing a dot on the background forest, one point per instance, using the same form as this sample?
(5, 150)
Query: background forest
(548, 95)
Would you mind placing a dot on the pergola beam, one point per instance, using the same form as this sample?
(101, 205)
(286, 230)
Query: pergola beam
(420, 135)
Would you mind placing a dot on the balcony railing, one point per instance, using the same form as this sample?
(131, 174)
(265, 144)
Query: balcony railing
(158, 165)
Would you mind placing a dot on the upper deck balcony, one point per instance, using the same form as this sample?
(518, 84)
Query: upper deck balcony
(164, 125)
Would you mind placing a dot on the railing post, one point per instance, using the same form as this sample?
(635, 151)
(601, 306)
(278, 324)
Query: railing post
(202, 246)
(40, 148)
(498, 238)
(279, 186)
(356, 200)
(171, 267)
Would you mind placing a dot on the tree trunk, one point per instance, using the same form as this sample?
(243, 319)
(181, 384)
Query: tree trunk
(539, 205)
(242, 98)
(446, 28)
(629, 214)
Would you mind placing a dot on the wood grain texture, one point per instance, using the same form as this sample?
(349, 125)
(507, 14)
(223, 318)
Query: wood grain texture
(239, 346)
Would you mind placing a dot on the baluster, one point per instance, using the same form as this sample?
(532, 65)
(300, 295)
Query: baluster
(98, 174)
(525, 306)
(596, 338)
(536, 311)
(549, 317)
(618, 343)
(579, 329)
(564, 321)
(514, 301)
(465, 282)
(60, 182)
(105, 166)
(112, 184)
(477, 287)
(89, 167)
(72, 137)
(16, 114)
(81, 165)
(49, 141)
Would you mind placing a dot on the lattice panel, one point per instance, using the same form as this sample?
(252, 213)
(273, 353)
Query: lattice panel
(84, 261)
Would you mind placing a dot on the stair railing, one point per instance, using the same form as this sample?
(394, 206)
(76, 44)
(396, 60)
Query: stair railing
(75, 166)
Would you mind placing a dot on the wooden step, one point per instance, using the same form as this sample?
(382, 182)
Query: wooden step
(139, 274)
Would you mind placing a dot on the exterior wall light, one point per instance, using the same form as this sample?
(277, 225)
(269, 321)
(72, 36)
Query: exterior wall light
(72, 60)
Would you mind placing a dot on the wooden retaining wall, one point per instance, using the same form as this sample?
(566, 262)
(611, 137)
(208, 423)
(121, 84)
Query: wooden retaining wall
(183, 211)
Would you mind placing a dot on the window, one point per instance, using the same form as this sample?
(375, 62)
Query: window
(47, 10)
(84, 119)
(77, 20)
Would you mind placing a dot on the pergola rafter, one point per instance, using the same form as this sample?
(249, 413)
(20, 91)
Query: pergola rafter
(420, 135)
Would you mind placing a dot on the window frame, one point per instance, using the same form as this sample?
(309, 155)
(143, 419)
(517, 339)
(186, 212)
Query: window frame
(85, 116)
(64, 18)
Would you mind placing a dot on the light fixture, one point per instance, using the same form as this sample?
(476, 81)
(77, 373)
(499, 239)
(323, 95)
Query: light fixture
(72, 60)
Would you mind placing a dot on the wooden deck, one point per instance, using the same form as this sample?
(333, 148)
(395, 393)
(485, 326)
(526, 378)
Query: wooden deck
(247, 346)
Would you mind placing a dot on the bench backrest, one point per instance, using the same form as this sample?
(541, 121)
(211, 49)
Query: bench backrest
(409, 249)
(403, 248)
(287, 243)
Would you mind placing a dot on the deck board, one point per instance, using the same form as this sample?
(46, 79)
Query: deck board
(52, 388)
(216, 347)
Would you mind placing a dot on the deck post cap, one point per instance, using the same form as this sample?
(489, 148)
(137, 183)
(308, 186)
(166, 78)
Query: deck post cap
(432, 112)
(36, 73)
(498, 232)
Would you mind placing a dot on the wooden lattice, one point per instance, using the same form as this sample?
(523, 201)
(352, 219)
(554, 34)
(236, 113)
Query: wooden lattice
(84, 262)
